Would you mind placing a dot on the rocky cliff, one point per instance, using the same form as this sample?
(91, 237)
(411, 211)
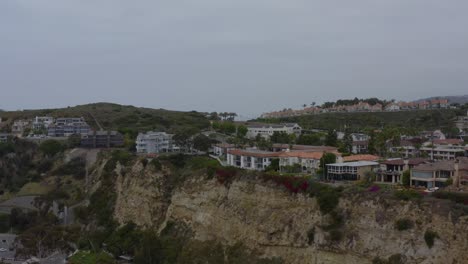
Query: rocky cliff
(268, 219)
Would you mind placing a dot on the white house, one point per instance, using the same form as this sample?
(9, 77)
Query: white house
(444, 149)
(251, 159)
(309, 161)
(392, 107)
(221, 149)
(155, 142)
(41, 122)
(267, 130)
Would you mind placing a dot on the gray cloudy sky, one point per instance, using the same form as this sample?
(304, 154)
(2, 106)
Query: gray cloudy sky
(247, 56)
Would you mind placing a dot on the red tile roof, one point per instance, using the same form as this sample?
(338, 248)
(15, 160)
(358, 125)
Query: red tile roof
(361, 157)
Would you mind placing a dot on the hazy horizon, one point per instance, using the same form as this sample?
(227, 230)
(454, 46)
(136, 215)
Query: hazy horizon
(241, 56)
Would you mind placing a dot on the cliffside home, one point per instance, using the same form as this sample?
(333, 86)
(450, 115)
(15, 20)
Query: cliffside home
(267, 130)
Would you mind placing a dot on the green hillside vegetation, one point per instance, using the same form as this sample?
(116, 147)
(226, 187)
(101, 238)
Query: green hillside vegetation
(418, 120)
(120, 117)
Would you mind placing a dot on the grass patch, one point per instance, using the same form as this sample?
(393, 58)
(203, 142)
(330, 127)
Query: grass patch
(34, 188)
(86, 257)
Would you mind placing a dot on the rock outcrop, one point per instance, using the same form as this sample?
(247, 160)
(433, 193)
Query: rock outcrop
(269, 220)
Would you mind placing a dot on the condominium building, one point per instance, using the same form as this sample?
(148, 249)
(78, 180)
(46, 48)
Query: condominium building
(64, 127)
(155, 142)
(19, 127)
(42, 122)
(251, 159)
(444, 149)
(309, 162)
(267, 130)
(102, 139)
(221, 149)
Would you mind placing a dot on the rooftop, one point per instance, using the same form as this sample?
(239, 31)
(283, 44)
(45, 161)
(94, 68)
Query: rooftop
(354, 164)
(254, 153)
(361, 157)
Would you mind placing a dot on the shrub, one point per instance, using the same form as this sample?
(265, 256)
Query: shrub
(453, 196)
(378, 260)
(75, 167)
(429, 237)
(156, 164)
(311, 235)
(328, 199)
(406, 178)
(404, 224)
(407, 195)
(51, 147)
(396, 259)
(336, 235)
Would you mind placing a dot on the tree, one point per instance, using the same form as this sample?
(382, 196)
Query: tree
(327, 158)
(202, 142)
(332, 138)
(281, 137)
(310, 139)
(151, 249)
(348, 142)
(406, 178)
(274, 165)
(183, 138)
(242, 131)
(51, 147)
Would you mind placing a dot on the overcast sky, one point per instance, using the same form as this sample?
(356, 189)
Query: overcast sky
(245, 56)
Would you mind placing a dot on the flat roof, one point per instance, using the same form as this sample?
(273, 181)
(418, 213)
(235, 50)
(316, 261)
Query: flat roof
(354, 164)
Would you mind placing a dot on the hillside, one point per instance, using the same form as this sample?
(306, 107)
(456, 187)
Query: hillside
(120, 117)
(422, 120)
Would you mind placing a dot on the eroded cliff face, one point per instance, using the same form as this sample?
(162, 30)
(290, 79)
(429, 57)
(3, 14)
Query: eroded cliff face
(279, 224)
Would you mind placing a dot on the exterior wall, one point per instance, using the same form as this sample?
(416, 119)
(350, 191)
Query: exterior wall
(267, 131)
(154, 142)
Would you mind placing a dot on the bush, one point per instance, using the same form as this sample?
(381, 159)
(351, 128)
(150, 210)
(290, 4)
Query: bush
(429, 237)
(328, 200)
(156, 164)
(51, 147)
(404, 224)
(75, 167)
(311, 235)
(406, 178)
(453, 196)
(336, 235)
(407, 195)
(396, 259)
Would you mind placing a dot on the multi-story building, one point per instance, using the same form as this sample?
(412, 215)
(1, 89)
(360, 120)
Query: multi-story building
(19, 127)
(444, 149)
(42, 122)
(102, 139)
(360, 143)
(267, 130)
(309, 162)
(65, 127)
(155, 142)
(251, 159)
(308, 148)
(221, 149)
(4, 137)
(462, 122)
(391, 170)
(350, 171)
(436, 174)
